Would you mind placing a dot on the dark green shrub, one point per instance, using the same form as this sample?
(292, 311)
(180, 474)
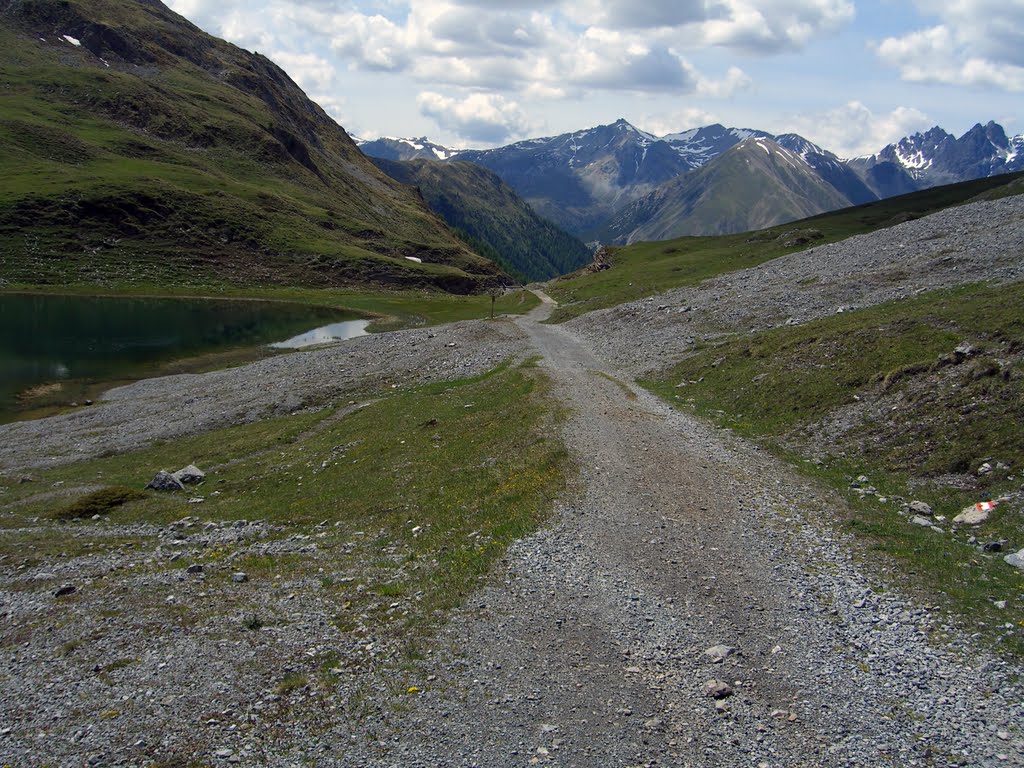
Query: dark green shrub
(99, 502)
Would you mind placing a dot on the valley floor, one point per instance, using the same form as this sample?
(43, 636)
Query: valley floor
(588, 645)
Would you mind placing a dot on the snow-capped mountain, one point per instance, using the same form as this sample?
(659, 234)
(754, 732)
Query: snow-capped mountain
(586, 179)
(389, 148)
(578, 179)
(701, 145)
(756, 183)
(937, 157)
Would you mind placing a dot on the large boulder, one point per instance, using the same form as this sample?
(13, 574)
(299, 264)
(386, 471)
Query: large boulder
(976, 514)
(165, 481)
(190, 475)
(1016, 559)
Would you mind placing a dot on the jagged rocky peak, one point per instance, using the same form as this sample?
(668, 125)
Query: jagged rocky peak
(396, 148)
(803, 147)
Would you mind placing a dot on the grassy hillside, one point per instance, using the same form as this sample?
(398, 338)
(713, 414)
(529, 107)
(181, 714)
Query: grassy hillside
(880, 404)
(492, 218)
(150, 152)
(645, 269)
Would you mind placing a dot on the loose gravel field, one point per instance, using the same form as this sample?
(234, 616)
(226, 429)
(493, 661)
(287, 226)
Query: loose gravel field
(966, 244)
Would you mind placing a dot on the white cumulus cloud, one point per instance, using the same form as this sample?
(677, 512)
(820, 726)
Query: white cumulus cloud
(372, 42)
(677, 121)
(773, 26)
(735, 80)
(482, 117)
(976, 42)
(853, 129)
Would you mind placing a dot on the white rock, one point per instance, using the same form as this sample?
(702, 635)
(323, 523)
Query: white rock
(971, 516)
(1016, 559)
(190, 475)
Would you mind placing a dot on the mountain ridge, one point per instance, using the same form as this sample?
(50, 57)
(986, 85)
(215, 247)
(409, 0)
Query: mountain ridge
(139, 149)
(491, 217)
(755, 184)
(591, 181)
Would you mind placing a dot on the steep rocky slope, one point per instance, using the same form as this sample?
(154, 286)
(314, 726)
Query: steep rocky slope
(491, 217)
(577, 179)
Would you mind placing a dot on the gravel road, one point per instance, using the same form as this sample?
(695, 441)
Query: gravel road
(591, 650)
(588, 646)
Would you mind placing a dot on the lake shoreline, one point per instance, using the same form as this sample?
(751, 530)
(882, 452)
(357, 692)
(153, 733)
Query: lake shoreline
(57, 350)
(184, 404)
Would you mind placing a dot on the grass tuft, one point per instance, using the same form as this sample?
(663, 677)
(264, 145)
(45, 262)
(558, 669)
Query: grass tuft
(99, 502)
(291, 683)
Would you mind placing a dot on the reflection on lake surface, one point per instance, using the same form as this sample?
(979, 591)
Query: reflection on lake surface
(47, 340)
(326, 334)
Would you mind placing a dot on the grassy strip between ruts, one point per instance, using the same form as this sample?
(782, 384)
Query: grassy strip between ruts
(880, 393)
(409, 499)
(646, 269)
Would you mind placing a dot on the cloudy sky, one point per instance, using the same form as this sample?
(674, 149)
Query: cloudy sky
(851, 75)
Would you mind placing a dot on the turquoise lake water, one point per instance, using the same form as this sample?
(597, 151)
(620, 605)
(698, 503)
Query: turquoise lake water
(52, 339)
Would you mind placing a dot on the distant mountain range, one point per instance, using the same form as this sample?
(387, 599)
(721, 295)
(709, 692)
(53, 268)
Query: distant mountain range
(619, 184)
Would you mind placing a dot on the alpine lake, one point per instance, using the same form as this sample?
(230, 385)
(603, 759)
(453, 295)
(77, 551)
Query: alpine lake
(61, 351)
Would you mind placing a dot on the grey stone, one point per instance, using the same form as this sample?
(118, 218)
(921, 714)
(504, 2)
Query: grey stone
(165, 481)
(971, 516)
(920, 508)
(1016, 559)
(190, 475)
(717, 689)
(66, 589)
(194, 569)
(719, 653)
(924, 522)
(965, 349)
(239, 578)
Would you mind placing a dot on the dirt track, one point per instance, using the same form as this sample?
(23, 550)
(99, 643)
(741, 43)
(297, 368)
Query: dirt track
(591, 650)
